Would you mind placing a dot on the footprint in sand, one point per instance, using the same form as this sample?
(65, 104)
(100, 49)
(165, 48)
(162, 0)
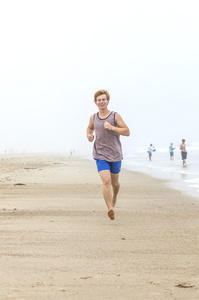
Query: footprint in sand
(184, 285)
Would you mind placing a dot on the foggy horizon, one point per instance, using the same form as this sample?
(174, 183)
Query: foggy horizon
(55, 55)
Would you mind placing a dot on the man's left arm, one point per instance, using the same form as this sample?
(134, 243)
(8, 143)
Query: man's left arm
(121, 127)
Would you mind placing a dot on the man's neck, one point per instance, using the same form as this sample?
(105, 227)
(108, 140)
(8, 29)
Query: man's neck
(103, 113)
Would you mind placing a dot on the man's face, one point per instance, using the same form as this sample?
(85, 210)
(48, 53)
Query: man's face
(101, 101)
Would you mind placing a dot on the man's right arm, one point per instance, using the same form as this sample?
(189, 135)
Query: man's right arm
(90, 130)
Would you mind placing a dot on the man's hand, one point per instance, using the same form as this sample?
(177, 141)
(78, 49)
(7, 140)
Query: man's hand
(91, 137)
(107, 125)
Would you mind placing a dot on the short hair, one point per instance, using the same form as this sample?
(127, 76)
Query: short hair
(101, 92)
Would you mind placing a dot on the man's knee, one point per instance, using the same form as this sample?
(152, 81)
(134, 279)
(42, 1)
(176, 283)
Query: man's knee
(115, 184)
(107, 181)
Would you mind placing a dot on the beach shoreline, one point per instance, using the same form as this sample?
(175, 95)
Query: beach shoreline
(184, 179)
(58, 243)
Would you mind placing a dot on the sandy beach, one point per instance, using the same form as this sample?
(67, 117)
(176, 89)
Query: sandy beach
(58, 243)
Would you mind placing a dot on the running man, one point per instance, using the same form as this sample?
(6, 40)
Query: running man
(107, 149)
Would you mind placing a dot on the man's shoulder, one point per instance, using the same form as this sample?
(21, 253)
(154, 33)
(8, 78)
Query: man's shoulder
(117, 115)
(92, 117)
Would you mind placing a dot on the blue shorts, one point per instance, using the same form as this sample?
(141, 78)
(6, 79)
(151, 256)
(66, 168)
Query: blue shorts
(114, 167)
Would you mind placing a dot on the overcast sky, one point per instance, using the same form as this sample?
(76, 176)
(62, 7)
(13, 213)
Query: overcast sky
(55, 55)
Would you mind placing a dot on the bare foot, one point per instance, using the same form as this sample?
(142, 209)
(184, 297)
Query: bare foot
(111, 214)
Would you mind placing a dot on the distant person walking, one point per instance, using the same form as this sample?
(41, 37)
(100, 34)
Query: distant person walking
(183, 152)
(151, 149)
(107, 149)
(171, 148)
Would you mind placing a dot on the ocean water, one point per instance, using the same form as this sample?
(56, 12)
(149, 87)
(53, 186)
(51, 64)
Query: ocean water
(185, 179)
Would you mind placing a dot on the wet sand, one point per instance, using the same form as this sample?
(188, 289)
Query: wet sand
(58, 243)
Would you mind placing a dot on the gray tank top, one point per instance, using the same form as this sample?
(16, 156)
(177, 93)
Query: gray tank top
(107, 145)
